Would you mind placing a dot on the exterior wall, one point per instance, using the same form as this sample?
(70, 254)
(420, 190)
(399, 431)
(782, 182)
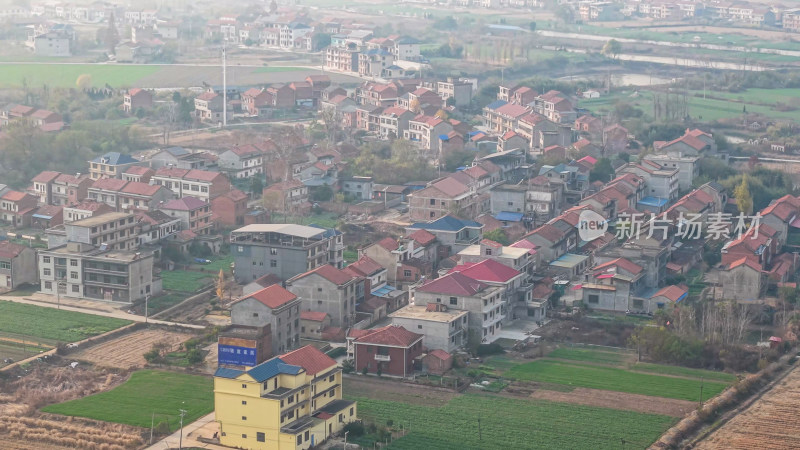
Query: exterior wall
(741, 283)
(284, 321)
(447, 336)
(484, 312)
(253, 261)
(310, 329)
(320, 295)
(507, 200)
(19, 270)
(400, 363)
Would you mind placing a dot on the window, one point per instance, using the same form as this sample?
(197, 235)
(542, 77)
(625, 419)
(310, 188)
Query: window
(453, 300)
(273, 263)
(332, 377)
(255, 314)
(299, 439)
(48, 285)
(488, 252)
(290, 399)
(244, 417)
(306, 435)
(244, 436)
(273, 251)
(76, 288)
(319, 289)
(638, 304)
(594, 298)
(73, 262)
(244, 386)
(73, 275)
(46, 259)
(260, 437)
(419, 327)
(244, 402)
(47, 272)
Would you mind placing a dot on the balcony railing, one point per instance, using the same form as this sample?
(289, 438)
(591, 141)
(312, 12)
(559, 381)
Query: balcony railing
(382, 358)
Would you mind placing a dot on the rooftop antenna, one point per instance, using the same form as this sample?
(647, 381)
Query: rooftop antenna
(224, 87)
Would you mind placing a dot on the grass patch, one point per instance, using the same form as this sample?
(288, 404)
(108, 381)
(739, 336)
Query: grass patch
(65, 75)
(685, 372)
(498, 363)
(186, 280)
(613, 379)
(164, 301)
(215, 265)
(53, 325)
(145, 393)
(588, 355)
(325, 219)
(513, 423)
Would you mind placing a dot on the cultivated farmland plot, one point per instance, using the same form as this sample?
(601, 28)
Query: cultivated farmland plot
(128, 351)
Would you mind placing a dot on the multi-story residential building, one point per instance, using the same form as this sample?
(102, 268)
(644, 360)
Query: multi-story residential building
(555, 106)
(368, 117)
(180, 158)
(446, 196)
(107, 190)
(688, 167)
(420, 99)
(390, 350)
(329, 290)
(373, 62)
(201, 184)
(692, 143)
(292, 401)
(16, 208)
(156, 226)
(405, 266)
(441, 327)
(359, 188)
(243, 161)
(70, 189)
(113, 230)
(662, 182)
(256, 101)
(296, 36)
(142, 196)
(457, 291)
(284, 250)
(275, 306)
(426, 131)
(111, 165)
(81, 270)
(195, 214)
(287, 196)
(341, 59)
(230, 209)
(208, 107)
(383, 95)
(136, 98)
(519, 259)
(502, 117)
(43, 186)
(140, 174)
(17, 266)
(791, 19)
(85, 209)
(460, 91)
(452, 233)
(394, 122)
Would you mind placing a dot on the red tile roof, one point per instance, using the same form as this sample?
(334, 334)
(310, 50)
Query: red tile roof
(137, 188)
(487, 270)
(171, 172)
(440, 354)
(184, 204)
(314, 316)
(272, 296)
(450, 187)
(138, 170)
(14, 196)
(10, 250)
(109, 184)
(512, 110)
(330, 273)
(310, 359)
(46, 176)
(454, 284)
(202, 175)
(622, 263)
(365, 266)
(390, 336)
(388, 243)
(673, 292)
(747, 262)
(422, 237)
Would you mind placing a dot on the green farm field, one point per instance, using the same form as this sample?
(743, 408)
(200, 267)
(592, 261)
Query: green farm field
(66, 75)
(614, 379)
(513, 423)
(51, 326)
(147, 392)
(186, 280)
(588, 355)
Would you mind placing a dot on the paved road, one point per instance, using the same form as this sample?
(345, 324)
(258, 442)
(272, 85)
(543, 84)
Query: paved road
(205, 426)
(117, 314)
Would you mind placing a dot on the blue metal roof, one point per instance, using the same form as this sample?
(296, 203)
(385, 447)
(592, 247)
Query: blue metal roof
(507, 216)
(114, 158)
(269, 369)
(446, 223)
(444, 137)
(496, 104)
(223, 372)
(653, 201)
(383, 291)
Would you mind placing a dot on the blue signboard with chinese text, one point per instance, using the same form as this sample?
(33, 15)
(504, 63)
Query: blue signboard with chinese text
(239, 356)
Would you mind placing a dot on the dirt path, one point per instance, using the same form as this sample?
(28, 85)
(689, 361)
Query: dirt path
(769, 423)
(618, 400)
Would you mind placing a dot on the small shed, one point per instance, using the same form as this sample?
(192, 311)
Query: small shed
(775, 341)
(437, 362)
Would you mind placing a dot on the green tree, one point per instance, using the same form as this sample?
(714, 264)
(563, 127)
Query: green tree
(320, 41)
(532, 26)
(498, 235)
(602, 171)
(612, 48)
(744, 200)
(112, 35)
(256, 185)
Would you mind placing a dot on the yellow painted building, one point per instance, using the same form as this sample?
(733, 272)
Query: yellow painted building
(289, 402)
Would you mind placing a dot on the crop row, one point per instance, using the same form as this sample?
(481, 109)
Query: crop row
(52, 324)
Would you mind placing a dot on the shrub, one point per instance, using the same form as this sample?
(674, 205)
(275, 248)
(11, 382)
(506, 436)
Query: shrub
(364, 371)
(194, 356)
(161, 428)
(354, 429)
(489, 349)
(379, 372)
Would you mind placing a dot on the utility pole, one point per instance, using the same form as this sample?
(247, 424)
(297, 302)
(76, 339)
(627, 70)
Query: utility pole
(224, 86)
(480, 434)
(701, 391)
(180, 439)
(345, 440)
(146, 299)
(152, 422)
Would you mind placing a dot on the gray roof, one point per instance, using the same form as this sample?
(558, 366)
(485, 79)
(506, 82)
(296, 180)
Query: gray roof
(288, 228)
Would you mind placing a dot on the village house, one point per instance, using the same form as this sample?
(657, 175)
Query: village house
(180, 158)
(425, 131)
(84, 209)
(391, 350)
(330, 290)
(441, 327)
(243, 161)
(208, 107)
(275, 306)
(404, 266)
(446, 196)
(693, 143)
(453, 234)
(257, 102)
(194, 213)
(17, 208)
(43, 186)
(201, 184)
(142, 196)
(229, 209)
(17, 266)
(287, 197)
(111, 165)
(135, 99)
(555, 106)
